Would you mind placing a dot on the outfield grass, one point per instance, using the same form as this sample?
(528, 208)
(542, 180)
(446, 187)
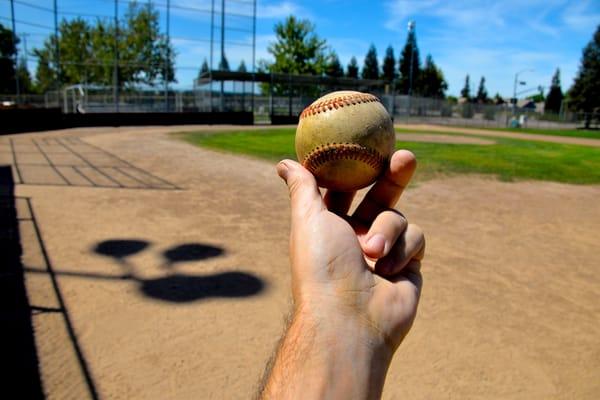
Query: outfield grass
(583, 133)
(591, 134)
(508, 159)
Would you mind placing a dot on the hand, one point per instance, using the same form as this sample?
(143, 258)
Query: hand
(355, 279)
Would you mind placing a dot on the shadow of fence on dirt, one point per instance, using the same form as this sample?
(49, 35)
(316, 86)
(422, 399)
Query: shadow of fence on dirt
(19, 359)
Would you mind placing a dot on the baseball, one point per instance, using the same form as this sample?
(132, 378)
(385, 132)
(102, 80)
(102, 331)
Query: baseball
(345, 139)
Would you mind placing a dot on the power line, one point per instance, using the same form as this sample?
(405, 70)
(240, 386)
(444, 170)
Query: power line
(28, 23)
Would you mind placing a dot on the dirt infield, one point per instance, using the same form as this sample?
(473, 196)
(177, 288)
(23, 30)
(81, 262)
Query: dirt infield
(157, 270)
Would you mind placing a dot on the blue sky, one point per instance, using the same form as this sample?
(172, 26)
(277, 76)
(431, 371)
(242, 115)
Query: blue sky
(494, 39)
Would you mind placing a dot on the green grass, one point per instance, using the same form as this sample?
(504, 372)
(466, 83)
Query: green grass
(592, 134)
(583, 133)
(508, 159)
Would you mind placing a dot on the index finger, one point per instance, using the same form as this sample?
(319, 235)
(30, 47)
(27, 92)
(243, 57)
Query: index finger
(388, 189)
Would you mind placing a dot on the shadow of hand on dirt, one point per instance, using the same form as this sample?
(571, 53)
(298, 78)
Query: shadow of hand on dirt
(177, 287)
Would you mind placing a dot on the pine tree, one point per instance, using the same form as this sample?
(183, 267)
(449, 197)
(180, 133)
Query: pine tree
(482, 94)
(584, 95)
(223, 64)
(466, 90)
(555, 95)
(371, 66)
(352, 71)
(410, 51)
(431, 80)
(334, 68)
(242, 67)
(203, 69)
(389, 65)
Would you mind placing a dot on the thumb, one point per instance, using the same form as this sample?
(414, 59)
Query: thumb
(305, 196)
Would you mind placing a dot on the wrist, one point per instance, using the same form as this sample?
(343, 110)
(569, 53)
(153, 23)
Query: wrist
(346, 358)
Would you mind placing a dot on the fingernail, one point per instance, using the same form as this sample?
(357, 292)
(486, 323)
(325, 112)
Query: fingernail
(377, 241)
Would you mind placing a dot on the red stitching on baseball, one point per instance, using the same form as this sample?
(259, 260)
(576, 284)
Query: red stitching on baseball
(330, 104)
(338, 151)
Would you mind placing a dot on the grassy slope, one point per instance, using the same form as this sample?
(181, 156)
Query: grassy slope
(509, 159)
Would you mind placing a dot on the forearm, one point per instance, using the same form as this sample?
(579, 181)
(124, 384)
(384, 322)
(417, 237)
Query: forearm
(316, 363)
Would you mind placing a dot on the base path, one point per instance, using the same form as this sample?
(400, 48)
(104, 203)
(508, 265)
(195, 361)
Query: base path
(157, 270)
(509, 135)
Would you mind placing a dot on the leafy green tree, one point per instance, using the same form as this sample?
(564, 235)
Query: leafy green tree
(8, 48)
(242, 67)
(334, 67)
(584, 95)
(482, 94)
(352, 70)
(466, 90)
(87, 52)
(389, 65)
(25, 82)
(145, 53)
(297, 49)
(431, 80)
(410, 51)
(555, 95)
(370, 68)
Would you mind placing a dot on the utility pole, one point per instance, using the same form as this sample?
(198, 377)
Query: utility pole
(514, 99)
(16, 55)
(116, 66)
(167, 58)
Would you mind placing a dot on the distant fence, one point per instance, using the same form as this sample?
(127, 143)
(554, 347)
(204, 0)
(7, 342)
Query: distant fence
(286, 109)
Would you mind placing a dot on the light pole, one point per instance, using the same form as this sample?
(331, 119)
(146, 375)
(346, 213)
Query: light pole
(514, 102)
(411, 28)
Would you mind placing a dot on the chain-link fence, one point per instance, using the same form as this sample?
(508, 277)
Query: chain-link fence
(246, 97)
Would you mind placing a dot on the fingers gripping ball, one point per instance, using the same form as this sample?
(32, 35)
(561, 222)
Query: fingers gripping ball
(345, 139)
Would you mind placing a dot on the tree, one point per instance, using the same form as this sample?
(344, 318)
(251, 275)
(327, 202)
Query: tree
(25, 82)
(8, 49)
(298, 49)
(466, 90)
(409, 52)
(204, 70)
(223, 64)
(242, 67)
(352, 71)
(482, 94)
(389, 65)
(584, 95)
(371, 66)
(498, 100)
(555, 95)
(334, 68)
(87, 52)
(431, 80)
